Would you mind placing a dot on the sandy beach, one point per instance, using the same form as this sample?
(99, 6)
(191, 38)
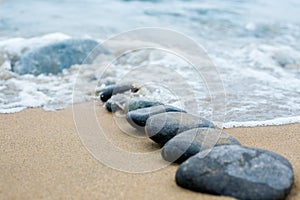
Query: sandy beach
(42, 157)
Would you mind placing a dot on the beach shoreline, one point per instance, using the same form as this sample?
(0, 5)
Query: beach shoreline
(42, 156)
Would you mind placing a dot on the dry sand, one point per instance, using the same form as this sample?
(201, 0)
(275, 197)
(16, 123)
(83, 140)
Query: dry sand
(42, 156)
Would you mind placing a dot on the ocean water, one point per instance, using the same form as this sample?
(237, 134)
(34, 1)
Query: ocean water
(254, 44)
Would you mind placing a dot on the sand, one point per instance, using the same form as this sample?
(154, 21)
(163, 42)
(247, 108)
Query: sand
(42, 157)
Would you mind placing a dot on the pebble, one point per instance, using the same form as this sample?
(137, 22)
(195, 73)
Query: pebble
(116, 102)
(237, 171)
(137, 118)
(191, 142)
(136, 103)
(162, 127)
(53, 58)
(111, 90)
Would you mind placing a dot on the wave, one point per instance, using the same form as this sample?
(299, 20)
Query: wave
(257, 55)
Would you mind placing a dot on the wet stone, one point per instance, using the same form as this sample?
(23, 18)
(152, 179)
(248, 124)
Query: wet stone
(136, 103)
(163, 127)
(111, 90)
(116, 103)
(137, 118)
(53, 58)
(191, 142)
(237, 171)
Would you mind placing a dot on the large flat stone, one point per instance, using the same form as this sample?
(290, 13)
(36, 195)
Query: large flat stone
(237, 171)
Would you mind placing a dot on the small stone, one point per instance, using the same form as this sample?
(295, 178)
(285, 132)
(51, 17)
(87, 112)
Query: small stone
(162, 127)
(237, 171)
(136, 103)
(111, 90)
(137, 118)
(116, 102)
(191, 142)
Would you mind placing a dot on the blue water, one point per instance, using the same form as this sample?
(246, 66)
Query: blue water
(254, 43)
(211, 18)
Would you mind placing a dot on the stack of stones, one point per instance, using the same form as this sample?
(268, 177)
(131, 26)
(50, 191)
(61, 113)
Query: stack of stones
(211, 161)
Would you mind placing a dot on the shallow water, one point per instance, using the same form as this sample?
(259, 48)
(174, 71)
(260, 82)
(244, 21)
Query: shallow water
(254, 44)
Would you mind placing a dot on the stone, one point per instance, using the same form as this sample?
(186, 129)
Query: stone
(191, 142)
(136, 103)
(116, 102)
(55, 57)
(137, 118)
(237, 171)
(111, 90)
(162, 127)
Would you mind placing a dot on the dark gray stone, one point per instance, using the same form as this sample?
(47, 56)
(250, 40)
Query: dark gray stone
(111, 90)
(137, 118)
(136, 103)
(162, 127)
(237, 171)
(191, 142)
(55, 57)
(116, 102)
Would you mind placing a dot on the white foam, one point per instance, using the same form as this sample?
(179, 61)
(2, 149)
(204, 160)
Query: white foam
(272, 122)
(12, 110)
(19, 45)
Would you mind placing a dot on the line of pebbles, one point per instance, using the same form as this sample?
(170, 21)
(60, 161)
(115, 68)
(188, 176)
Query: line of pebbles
(211, 161)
